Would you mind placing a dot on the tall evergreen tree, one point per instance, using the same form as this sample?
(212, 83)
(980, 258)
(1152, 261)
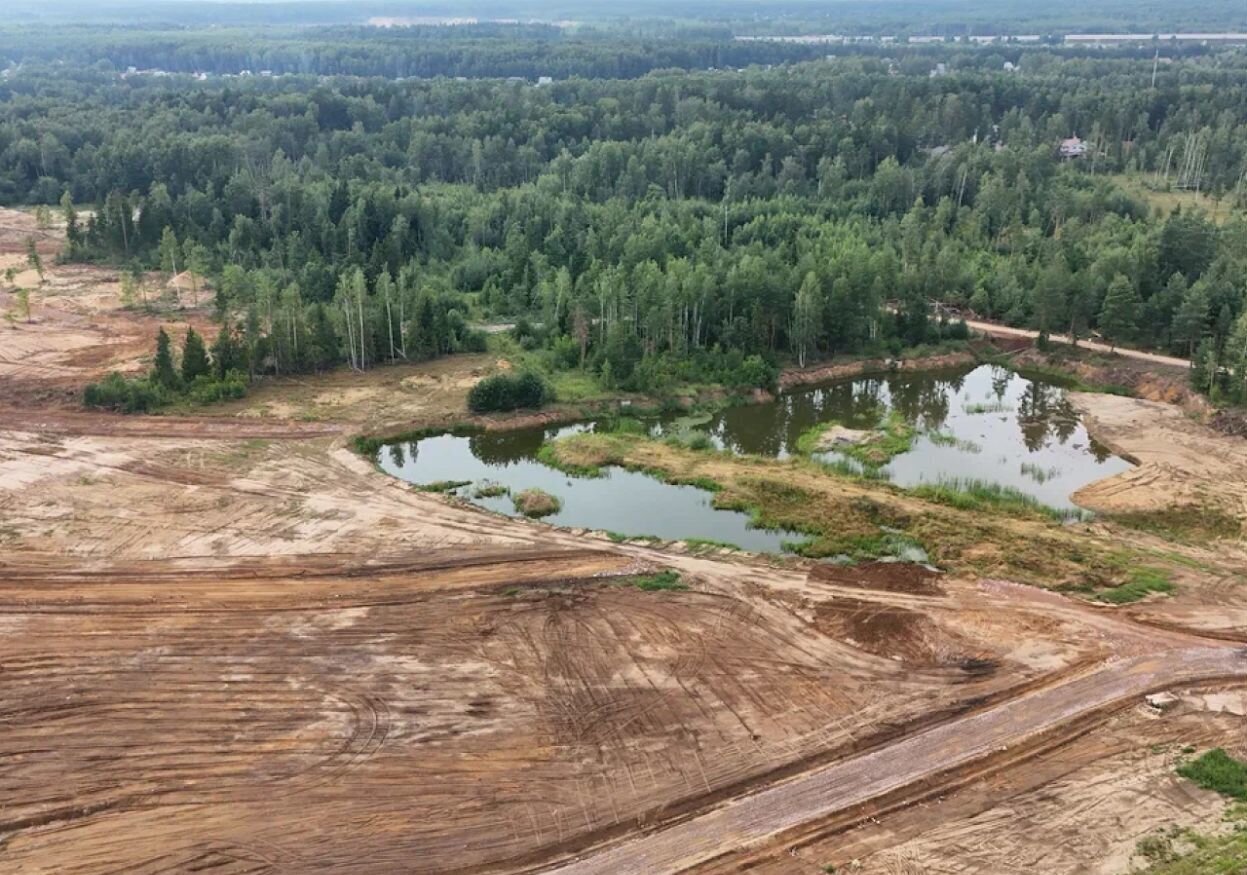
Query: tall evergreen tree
(1120, 311)
(194, 357)
(163, 372)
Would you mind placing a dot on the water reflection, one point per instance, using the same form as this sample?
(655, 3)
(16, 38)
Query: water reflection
(991, 424)
(998, 422)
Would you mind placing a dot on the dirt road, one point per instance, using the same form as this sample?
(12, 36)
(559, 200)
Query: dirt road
(844, 784)
(230, 643)
(991, 328)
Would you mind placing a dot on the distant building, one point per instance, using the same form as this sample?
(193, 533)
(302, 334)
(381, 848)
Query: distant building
(1072, 147)
(545, 80)
(941, 69)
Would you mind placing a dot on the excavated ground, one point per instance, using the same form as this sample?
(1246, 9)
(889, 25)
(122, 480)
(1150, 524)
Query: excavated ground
(227, 642)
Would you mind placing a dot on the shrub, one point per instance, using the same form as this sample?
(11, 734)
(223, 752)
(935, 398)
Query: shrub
(503, 392)
(536, 503)
(115, 392)
(209, 390)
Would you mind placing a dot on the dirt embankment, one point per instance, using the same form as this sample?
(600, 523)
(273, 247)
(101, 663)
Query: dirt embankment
(1142, 379)
(847, 370)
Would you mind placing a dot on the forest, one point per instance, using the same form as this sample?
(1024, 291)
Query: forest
(668, 227)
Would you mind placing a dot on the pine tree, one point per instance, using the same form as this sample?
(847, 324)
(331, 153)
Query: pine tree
(1191, 320)
(1121, 306)
(194, 357)
(226, 354)
(163, 372)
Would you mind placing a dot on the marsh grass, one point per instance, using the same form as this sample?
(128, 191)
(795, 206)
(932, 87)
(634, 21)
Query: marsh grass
(966, 493)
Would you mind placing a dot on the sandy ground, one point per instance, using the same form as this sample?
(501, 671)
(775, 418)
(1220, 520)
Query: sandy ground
(1079, 807)
(993, 329)
(227, 642)
(77, 330)
(457, 687)
(1180, 461)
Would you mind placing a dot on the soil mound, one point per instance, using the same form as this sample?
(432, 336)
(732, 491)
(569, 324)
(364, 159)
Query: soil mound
(882, 576)
(899, 633)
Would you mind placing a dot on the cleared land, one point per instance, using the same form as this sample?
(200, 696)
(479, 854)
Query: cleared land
(229, 643)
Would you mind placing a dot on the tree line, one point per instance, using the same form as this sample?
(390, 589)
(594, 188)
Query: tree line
(674, 228)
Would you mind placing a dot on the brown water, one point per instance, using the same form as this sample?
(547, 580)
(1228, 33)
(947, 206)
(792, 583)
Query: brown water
(989, 424)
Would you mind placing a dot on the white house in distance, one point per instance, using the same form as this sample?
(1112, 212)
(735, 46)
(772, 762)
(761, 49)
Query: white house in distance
(1072, 147)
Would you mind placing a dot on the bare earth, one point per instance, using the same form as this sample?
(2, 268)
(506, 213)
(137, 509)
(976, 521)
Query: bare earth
(993, 329)
(228, 643)
(1180, 461)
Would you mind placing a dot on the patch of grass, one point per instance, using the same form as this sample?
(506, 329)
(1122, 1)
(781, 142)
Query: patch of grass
(622, 425)
(1187, 524)
(536, 503)
(948, 439)
(620, 537)
(490, 490)
(577, 386)
(1166, 199)
(696, 544)
(662, 581)
(1217, 770)
(1224, 854)
(894, 437)
(1157, 848)
(699, 441)
(854, 470)
(1219, 855)
(891, 437)
(443, 485)
(972, 494)
(704, 483)
(1142, 583)
(549, 454)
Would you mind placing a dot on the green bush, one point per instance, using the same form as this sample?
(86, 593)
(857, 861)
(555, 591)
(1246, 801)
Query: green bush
(503, 392)
(115, 392)
(209, 390)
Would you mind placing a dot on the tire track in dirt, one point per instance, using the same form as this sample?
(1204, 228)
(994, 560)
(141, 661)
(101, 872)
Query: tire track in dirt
(821, 792)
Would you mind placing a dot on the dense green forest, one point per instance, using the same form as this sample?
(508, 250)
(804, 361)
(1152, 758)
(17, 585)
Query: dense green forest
(672, 227)
(952, 17)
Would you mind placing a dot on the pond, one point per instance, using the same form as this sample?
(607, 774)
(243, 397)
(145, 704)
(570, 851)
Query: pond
(621, 501)
(985, 424)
